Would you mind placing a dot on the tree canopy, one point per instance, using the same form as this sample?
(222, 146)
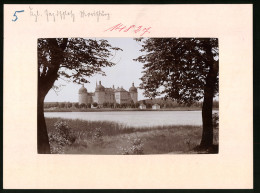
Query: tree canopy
(80, 58)
(183, 69)
(177, 67)
(74, 59)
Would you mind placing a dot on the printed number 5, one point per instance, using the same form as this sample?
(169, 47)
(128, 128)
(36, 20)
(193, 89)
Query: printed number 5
(16, 15)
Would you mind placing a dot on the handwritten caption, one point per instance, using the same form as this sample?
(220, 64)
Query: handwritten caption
(60, 15)
(133, 28)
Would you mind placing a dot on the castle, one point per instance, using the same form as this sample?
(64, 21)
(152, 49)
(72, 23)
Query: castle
(108, 95)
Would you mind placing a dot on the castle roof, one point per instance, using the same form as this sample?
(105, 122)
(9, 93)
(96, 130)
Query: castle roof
(133, 88)
(109, 89)
(100, 87)
(83, 90)
(120, 90)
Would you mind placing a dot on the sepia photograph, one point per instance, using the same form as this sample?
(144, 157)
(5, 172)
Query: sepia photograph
(129, 101)
(128, 96)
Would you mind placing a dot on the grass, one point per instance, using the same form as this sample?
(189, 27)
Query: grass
(115, 138)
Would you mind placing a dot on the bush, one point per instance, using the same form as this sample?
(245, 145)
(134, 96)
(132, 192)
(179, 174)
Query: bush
(97, 136)
(60, 137)
(95, 104)
(61, 105)
(82, 105)
(68, 105)
(136, 147)
(215, 119)
(76, 105)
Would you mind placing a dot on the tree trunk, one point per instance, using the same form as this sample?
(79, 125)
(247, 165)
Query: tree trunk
(46, 80)
(207, 133)
(43, 145)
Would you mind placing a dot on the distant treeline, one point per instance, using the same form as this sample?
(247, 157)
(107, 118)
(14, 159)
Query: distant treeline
(89, 105)
(168, 103)
(148, 102)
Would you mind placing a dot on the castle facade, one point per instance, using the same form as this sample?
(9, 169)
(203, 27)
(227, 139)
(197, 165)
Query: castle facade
(108, 95)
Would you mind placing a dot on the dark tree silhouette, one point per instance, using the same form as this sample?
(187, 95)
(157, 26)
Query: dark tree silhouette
(184, 69)
(69, 58)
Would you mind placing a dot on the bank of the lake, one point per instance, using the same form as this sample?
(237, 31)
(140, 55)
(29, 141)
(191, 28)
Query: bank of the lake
(120, 109)
(106, 137)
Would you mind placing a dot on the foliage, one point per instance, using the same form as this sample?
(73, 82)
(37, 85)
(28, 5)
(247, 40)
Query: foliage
(81, 57)
(105, 104)
(161, 139)
(136, 147)
(97, 136)
(68, 105)
(148, 106)
(61, 105)
(177, 67)
(76, 105)
(71, 59)
(82, 105)
(215, 120)
(183, 69)
(88, 105)
(95, 104)
(60, 137)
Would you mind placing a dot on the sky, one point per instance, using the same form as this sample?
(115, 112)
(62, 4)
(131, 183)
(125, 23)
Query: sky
(124, 73)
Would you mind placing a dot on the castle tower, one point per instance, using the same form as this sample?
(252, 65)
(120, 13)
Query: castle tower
(133, 93)
(100, 94)
(83, 95)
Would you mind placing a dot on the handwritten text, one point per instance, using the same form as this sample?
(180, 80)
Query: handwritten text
(133, 28)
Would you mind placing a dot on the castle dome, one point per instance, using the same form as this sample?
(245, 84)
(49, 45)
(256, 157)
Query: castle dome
(133, 88)
(100, 87)
(83, 90)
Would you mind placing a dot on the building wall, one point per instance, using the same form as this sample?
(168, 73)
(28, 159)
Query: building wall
(118, 97)
(155, 107)
(94, 100)
(142, 107)
(124, 97)
(134, 96)
(109, 97)
(83, 98)
(90, 101)
(100, 97)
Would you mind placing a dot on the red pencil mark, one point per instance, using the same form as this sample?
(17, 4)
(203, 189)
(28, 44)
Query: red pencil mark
(136, 29)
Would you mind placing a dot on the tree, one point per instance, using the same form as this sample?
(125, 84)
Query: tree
(111, 105)
(68, 58)
(82, 105)
(149, 105)
(56, 104)
(95, 104)
(76, 105)
(68, 105)
(185, 69)
(117, 105)
(105, 104)
(62, 105)
(88, 105)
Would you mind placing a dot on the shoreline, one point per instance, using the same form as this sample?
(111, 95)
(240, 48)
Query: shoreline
(119, 110)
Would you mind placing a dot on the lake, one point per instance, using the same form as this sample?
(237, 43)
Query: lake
(136, 118)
